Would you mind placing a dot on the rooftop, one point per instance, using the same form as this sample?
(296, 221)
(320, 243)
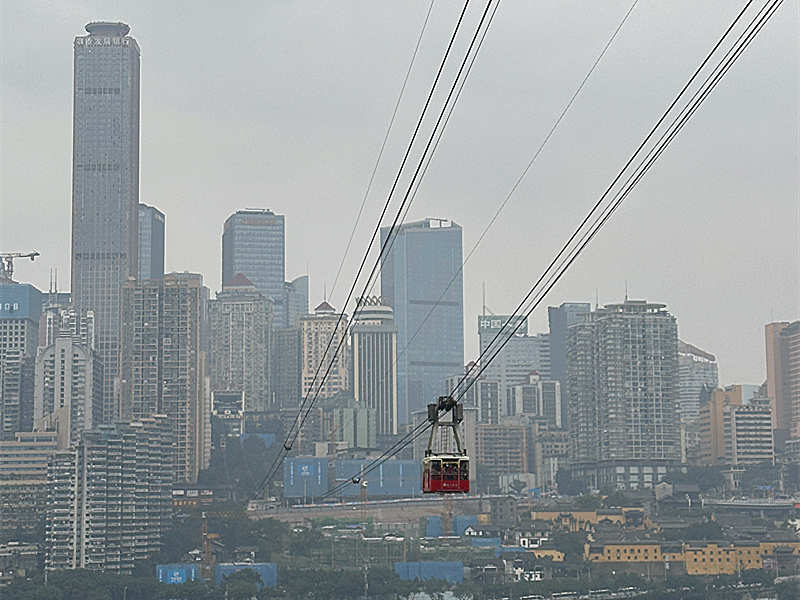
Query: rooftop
(108, 28)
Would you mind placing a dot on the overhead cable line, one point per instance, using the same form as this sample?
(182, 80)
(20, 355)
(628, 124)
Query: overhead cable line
(392, 228)
(383, 146)
(522, 175)
(298, 423)
(744, 39)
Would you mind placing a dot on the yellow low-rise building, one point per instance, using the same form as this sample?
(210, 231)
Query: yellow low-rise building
(551, 553)
(585, 520)
(698, 558)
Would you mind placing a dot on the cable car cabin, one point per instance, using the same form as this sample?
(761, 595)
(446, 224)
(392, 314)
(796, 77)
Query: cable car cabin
(445, 473)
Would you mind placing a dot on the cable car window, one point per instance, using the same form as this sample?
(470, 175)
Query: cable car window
(464, 470)
(451, 470)
(436, 469)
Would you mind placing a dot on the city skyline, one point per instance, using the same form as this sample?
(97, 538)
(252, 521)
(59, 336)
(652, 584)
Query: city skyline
(172, 184)
(182, 414)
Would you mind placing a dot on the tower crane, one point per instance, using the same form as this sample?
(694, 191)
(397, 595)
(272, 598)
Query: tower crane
(8, 261)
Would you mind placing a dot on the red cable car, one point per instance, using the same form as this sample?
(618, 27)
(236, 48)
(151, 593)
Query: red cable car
(445, 472)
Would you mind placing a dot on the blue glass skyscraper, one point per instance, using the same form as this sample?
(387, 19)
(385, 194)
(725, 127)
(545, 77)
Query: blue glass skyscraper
(425, 257)
(253, 244)
(151, 242)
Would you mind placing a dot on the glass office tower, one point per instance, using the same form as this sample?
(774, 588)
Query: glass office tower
(424, 259)
(105, 185)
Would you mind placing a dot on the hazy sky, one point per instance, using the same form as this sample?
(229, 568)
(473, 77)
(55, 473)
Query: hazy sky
(284, 105)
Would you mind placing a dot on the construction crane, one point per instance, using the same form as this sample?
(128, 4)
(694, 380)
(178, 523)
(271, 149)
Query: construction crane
(8, 261)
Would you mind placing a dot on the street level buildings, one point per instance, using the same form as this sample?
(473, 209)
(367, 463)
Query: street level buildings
(20, 309)
(109, 504)
(322, 331)
(421, 279)
(164, 363)
(374, 350)
(151, 242)
(622, 387)
(241, 322)
(105, 185)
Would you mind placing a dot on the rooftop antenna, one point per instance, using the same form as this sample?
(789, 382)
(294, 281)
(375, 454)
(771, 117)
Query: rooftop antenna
(596, 298)
(325, 291)
(626, 290)
(484, 298)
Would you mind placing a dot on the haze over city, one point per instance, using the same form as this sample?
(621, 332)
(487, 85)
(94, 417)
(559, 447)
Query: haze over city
(258, 111)
(427, 300)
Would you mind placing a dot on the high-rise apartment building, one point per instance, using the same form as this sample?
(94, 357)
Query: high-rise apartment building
(105, 185)
(164, 370)
(373, 345)
(736, 427)
(241, 321)
(20, 309)
(23, 483)
(622, 388)
(561, 318)
(420, 275)
(110, 500)
(68, 388)
(514, 355)
(151, 242)
(253, 244)
(316, 333)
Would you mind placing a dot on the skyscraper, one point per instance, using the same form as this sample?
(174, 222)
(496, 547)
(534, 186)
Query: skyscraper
(241, 321)
(374, 349)
(164, 346)
(561, 318)
(422, 273)
(105, 184)
(253, 244)
(296, 299)
(318, 332)
(151, 242)
(20, 309)
(622, 388)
